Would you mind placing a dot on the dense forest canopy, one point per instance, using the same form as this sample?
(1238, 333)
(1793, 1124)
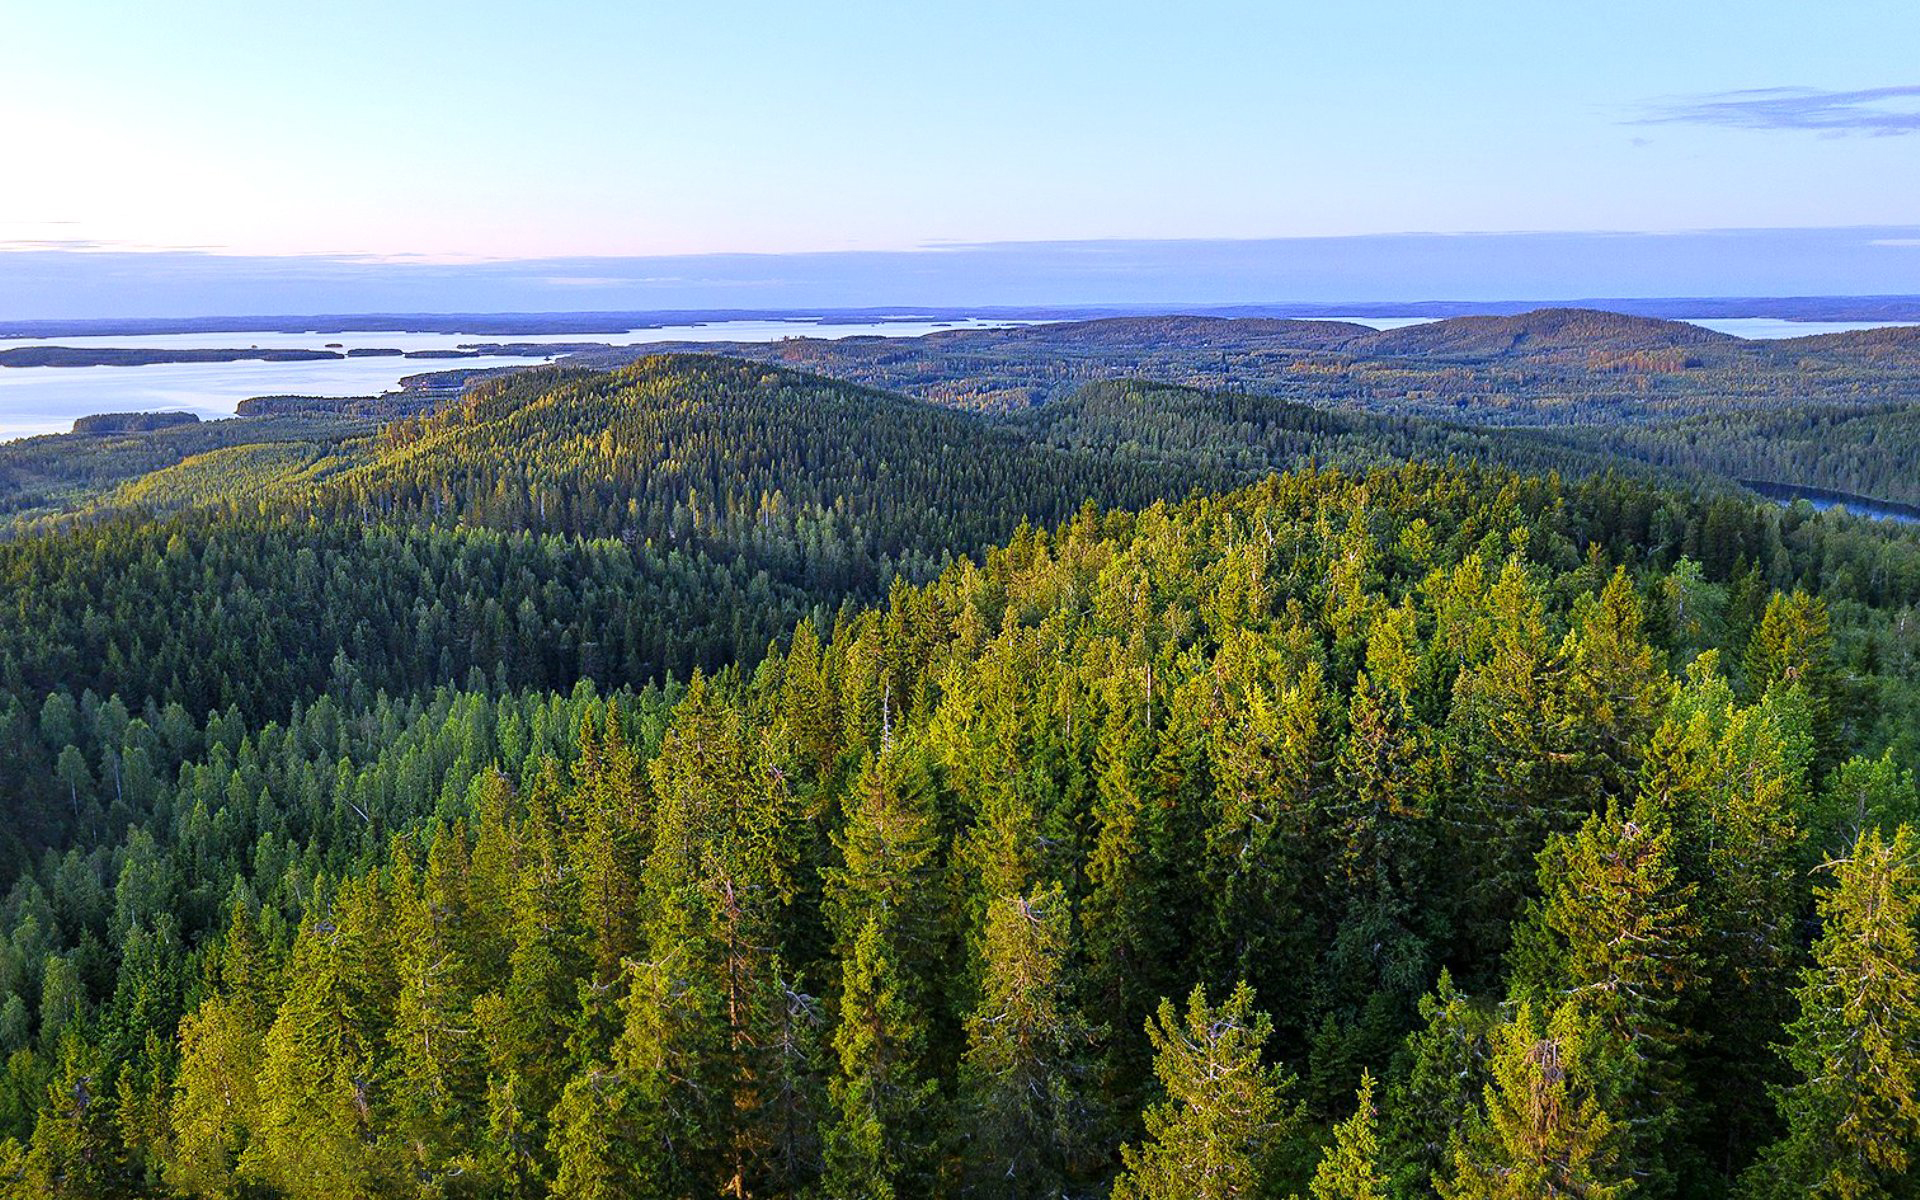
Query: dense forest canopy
(1661, 391)
(713, 779)
(1550, 389)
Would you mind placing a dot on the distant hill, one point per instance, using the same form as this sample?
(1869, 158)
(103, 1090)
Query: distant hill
(1175, 331)
(1585, 365)
(1895, 345)
(1547, 331)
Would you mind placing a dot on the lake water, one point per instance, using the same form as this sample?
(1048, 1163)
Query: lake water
(1824, 499)
(1769, 328)
(47, 399)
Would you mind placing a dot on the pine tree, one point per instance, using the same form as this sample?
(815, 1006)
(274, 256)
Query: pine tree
(1215, 1135)
(1853, 1115)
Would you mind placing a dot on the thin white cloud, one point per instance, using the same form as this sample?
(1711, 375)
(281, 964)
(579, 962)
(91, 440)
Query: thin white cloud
(1879, 111)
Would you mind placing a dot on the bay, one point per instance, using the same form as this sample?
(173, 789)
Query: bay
(35, 400)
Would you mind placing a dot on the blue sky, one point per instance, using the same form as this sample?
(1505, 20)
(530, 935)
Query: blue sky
(569, 130)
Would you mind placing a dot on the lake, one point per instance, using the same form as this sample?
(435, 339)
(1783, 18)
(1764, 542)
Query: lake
(1826, 498)
(47, 399)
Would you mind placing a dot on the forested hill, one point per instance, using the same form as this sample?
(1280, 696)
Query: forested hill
(687, 451)
(1898, 343)
(1114, 863)
(1665, 392)
(714, 778)
(1545, 333)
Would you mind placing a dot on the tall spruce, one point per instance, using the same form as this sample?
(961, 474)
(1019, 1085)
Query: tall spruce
(1217, 1133)
(1852, 1114)
(1542, 1132)
(1024, 1081)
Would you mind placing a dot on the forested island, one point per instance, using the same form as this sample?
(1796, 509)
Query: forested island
(142, 422)
(711, 777)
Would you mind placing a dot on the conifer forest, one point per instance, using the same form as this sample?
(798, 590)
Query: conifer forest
(1120, 761)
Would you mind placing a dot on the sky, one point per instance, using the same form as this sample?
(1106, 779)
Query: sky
(401, 134)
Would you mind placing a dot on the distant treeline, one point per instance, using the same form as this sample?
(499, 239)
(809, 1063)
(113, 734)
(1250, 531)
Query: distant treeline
(132, 422)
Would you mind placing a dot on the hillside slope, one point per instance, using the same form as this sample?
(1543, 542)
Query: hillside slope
(1550, 333)
(1352, 767)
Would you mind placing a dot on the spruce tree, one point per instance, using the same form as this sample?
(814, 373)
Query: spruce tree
(215, 1102)
(1853, 1113)
(1126, 939)
(880, 1134)
(317, 1130)
(1216, 1134)
(889, 868)
(1613, 935)
(1543, 1132)
(74, 1151)
(1615, 685)
(1443, 1079)
(1350, 1168)
(1023, 1080)
(1512, 735)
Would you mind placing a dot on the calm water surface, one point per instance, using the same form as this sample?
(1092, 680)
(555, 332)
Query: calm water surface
(47, 399)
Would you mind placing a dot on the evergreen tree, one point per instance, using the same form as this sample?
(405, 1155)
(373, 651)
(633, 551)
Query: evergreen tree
(1127, 941)
(434, 1067)
(593, 1143)
(216, 1100)
(1023, 1080)
(1853, 1114)
(316, 1128)
(1731, 778)
(1225, 1115)
(1350, 1168)
(74, 1151)
(1543, 1131)
(1443, 1079)
(1513, 732)
(880, 1135)
(1615, 685)
(1613, 936)
(889, 869)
